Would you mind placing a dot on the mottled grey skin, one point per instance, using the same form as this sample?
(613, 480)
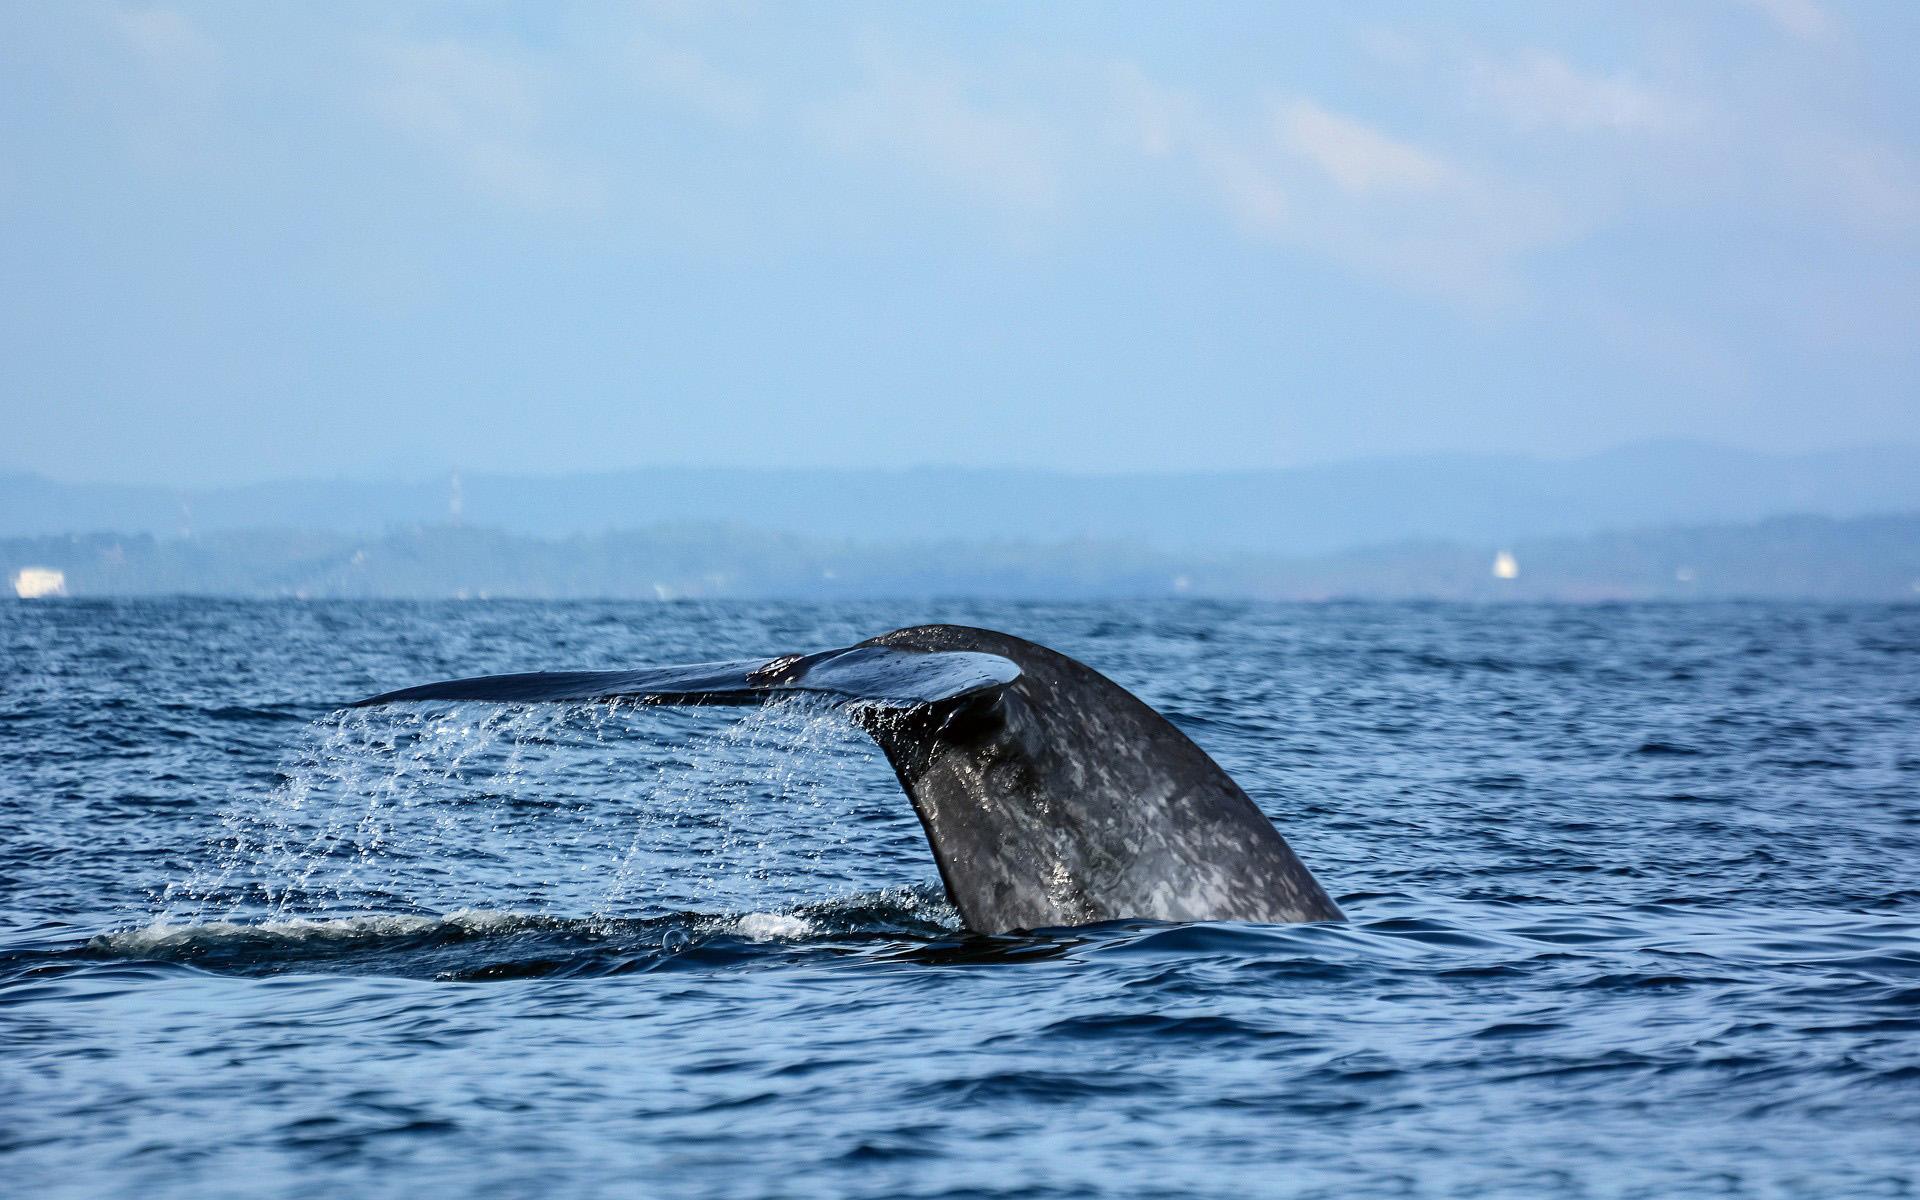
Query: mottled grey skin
(1050, 795)
(1064, 800)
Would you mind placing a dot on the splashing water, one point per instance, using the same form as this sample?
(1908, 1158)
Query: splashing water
(607, 810)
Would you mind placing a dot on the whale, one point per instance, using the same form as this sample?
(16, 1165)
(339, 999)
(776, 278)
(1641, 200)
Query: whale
(1051, 796)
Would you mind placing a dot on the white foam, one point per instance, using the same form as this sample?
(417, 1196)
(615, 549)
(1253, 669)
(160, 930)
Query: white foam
(772, 927)
(162, 936)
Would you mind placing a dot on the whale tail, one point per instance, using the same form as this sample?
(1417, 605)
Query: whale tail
(869, 674)
(1050, 795)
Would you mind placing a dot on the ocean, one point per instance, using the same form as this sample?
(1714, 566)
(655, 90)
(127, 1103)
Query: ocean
(1633, 897)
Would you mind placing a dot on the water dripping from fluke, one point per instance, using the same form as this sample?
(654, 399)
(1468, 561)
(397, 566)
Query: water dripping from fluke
(397, 826)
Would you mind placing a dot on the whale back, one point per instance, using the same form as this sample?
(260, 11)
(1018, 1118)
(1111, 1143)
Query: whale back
(1062, 799)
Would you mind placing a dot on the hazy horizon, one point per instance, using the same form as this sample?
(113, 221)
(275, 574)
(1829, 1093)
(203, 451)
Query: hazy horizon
(1463, 499)
(247, 244)
(438, 476)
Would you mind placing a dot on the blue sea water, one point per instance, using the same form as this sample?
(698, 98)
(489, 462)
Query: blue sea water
(1634, 896)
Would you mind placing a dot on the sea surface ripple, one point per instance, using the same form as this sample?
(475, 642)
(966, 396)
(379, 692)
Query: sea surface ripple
(1634, 895)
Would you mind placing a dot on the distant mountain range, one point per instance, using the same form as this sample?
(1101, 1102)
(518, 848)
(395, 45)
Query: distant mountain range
(1861, 558)
(1471, 500)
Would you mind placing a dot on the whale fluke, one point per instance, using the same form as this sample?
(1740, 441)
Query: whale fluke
(1050, 795)
(872, 674)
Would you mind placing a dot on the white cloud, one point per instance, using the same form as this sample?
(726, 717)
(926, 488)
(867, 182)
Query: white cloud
(1411, 216)
(1163, 123)
(482, 112)
(1297, 174)
(1543, 91)
(1007, 157)
(1803, 19)
(1451, 204)
(1357, 157)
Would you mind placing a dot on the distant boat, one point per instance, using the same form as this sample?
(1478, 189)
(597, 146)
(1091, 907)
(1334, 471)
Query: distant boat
(37, 583)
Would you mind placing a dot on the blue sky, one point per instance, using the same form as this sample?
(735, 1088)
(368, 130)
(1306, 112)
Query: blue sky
(243, 241)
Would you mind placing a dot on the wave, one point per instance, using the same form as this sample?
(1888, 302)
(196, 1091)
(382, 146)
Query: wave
(465, 941)
(1631, 947)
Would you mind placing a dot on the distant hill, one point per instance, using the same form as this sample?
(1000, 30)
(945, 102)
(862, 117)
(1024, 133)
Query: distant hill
(1466, 499)
(1863, 558)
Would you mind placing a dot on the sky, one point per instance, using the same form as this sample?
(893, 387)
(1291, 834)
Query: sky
(246, 241)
